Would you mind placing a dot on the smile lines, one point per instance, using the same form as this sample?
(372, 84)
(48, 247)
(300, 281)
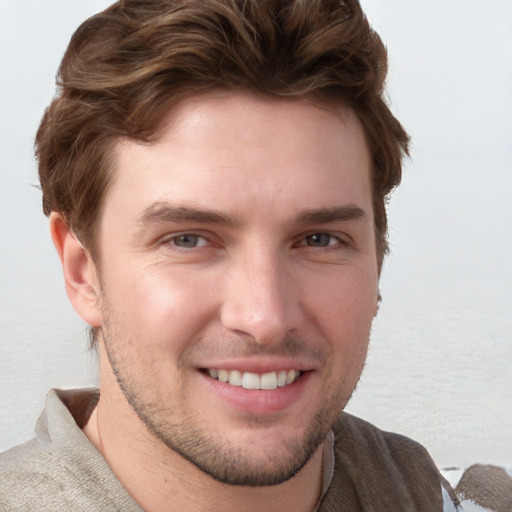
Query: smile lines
(249, 380)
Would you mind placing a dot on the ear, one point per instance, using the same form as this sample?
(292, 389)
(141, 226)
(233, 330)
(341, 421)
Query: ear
(80, 275)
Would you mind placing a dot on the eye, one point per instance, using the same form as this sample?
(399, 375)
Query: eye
(188, 241)
(320, 240)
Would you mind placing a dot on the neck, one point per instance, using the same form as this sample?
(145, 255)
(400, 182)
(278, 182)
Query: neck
(159, 479)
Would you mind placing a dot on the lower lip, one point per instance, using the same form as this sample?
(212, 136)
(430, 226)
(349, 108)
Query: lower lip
(257, 401)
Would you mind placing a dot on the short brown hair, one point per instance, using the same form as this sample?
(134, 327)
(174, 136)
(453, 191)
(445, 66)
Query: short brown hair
(125, 65)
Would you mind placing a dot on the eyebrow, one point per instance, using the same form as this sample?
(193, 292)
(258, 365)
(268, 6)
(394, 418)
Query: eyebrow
(326, 215)
(161, 212)
(164, 212)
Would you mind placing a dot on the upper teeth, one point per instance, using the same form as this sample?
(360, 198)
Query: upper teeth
(250, 380)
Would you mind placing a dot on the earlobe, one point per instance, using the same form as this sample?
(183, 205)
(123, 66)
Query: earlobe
(80, 275)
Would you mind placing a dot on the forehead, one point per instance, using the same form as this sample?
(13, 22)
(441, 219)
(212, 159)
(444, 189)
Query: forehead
(245, 151)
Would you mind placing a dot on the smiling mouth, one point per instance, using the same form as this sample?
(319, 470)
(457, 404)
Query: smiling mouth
(249, 380)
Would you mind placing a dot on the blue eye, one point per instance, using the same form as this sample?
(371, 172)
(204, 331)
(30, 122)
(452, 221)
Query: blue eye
(188, 241)
(320, 240)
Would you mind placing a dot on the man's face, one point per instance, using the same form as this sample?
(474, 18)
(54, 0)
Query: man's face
(240, 246)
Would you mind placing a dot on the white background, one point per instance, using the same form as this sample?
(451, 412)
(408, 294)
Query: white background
(439, 364)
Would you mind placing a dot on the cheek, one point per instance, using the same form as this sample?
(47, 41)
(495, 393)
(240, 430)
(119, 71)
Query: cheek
(345, 314)
(346, 304)
(159, 305)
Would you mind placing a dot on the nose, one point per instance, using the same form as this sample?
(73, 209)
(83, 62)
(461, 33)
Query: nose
(261, 298)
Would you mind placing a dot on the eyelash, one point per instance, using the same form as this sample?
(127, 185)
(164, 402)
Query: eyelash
(339, 242)
(302, 242)
(172, 240)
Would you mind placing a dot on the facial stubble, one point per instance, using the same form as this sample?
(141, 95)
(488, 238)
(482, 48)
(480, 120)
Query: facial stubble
(213, 454)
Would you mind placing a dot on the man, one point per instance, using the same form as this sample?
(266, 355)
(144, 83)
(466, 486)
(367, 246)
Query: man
(215, 175)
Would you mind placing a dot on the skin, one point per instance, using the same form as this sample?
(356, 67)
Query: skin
(242, 238)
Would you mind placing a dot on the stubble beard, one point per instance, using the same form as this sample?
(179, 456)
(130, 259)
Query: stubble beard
(214, 455)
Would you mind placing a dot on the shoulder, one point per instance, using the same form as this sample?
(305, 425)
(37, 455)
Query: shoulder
(22, 463)
(35, 478)
(385, 471)
(386, 447)
(60, 470)
(30, 476)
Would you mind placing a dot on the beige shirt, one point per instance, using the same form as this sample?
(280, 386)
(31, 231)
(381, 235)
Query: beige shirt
(60, 470)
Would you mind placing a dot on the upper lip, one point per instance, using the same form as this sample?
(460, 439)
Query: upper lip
(260, 365)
